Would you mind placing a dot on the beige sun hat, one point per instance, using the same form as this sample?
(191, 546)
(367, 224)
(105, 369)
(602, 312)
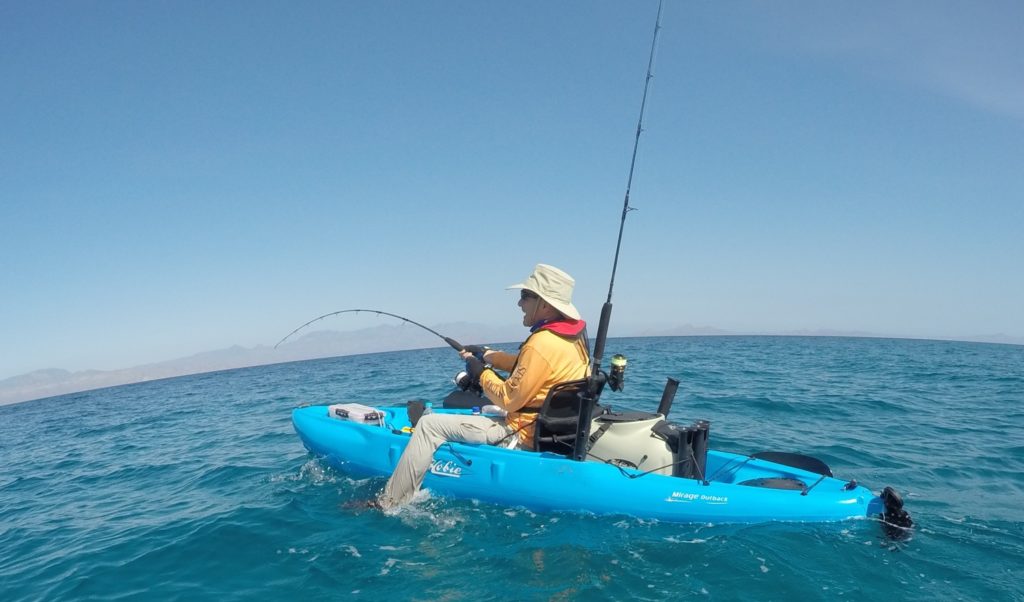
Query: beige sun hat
(554, 286)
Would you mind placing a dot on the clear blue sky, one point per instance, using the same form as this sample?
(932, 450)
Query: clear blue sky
(181, 177)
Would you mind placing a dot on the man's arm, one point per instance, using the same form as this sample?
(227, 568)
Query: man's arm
(522, 386)
(500, 359)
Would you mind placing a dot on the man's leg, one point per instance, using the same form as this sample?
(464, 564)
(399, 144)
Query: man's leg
(431, 431)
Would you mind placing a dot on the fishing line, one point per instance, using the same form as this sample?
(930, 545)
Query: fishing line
(452, 342)
(626, 208)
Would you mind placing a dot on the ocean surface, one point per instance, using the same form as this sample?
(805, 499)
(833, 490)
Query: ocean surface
(198, 488)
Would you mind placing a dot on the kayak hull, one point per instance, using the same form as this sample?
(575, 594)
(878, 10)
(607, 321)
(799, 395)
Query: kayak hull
(548, 482)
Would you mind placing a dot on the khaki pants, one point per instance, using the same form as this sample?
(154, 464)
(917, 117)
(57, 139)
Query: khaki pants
(431, 431)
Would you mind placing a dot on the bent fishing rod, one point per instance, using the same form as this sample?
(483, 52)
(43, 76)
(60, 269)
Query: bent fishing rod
(596, 378)
(451, 342)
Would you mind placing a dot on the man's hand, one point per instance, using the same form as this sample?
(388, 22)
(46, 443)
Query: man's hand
(477, 351)
(474, 367)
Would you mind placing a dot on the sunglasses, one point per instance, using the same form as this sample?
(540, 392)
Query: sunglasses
(525, 294)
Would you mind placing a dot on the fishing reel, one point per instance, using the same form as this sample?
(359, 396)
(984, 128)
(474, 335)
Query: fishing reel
(617, 375)
(465, 382)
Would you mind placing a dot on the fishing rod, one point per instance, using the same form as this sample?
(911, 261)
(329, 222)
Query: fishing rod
(452, 342)
(596, 378)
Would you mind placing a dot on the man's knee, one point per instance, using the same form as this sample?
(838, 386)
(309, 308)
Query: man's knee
(455, 427)
(430, 424)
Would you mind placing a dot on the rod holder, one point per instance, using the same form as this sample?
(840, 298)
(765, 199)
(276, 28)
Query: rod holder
(668, 396)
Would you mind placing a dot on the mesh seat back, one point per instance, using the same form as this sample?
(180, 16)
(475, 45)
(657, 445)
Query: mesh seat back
(557, 420)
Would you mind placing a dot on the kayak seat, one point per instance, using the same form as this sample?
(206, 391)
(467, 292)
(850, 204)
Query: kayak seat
(555, 428)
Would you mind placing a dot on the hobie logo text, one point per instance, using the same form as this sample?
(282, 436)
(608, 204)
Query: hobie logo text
(446, 469)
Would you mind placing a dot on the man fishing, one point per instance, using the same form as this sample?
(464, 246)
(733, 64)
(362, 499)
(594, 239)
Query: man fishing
(554, 352)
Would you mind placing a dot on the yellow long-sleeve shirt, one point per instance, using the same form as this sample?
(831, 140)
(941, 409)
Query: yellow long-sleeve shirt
(544, 360)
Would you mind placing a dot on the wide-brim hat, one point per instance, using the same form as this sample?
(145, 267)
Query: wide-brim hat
(553, 286)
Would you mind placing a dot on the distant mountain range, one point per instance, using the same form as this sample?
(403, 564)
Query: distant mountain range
(324, 343)
(316, 344)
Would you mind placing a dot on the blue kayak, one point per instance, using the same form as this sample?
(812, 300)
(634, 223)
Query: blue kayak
(736, 488)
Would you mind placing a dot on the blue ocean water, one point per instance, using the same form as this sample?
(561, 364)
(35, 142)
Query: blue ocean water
(198, 488)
